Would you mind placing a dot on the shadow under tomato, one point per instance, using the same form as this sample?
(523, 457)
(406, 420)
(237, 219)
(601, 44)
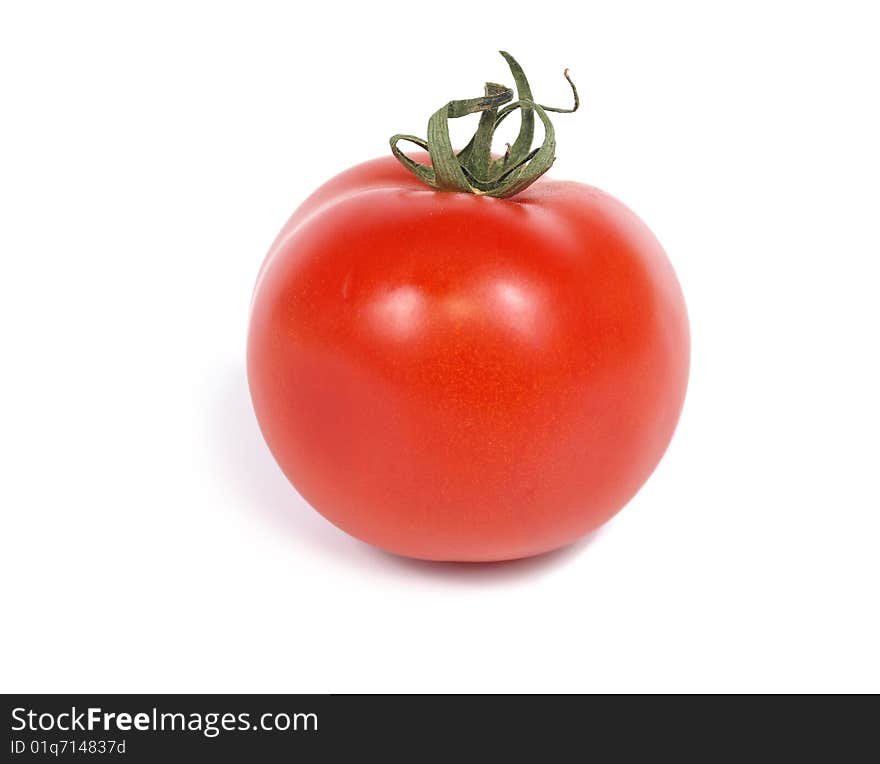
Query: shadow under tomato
(491, 571)
(246, 466)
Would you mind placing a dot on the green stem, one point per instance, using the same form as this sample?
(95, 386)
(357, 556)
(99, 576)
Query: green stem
(473, 169)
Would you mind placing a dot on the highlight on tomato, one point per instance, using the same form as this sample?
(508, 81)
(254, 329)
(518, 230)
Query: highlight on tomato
(452, 357)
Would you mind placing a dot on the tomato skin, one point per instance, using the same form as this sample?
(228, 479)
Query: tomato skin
(456, 377)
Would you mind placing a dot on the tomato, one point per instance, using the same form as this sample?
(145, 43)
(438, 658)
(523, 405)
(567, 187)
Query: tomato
(451, 376)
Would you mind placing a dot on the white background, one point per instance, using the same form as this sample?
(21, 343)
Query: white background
(150, 152)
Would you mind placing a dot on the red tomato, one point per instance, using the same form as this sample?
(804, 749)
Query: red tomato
(450, 376)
